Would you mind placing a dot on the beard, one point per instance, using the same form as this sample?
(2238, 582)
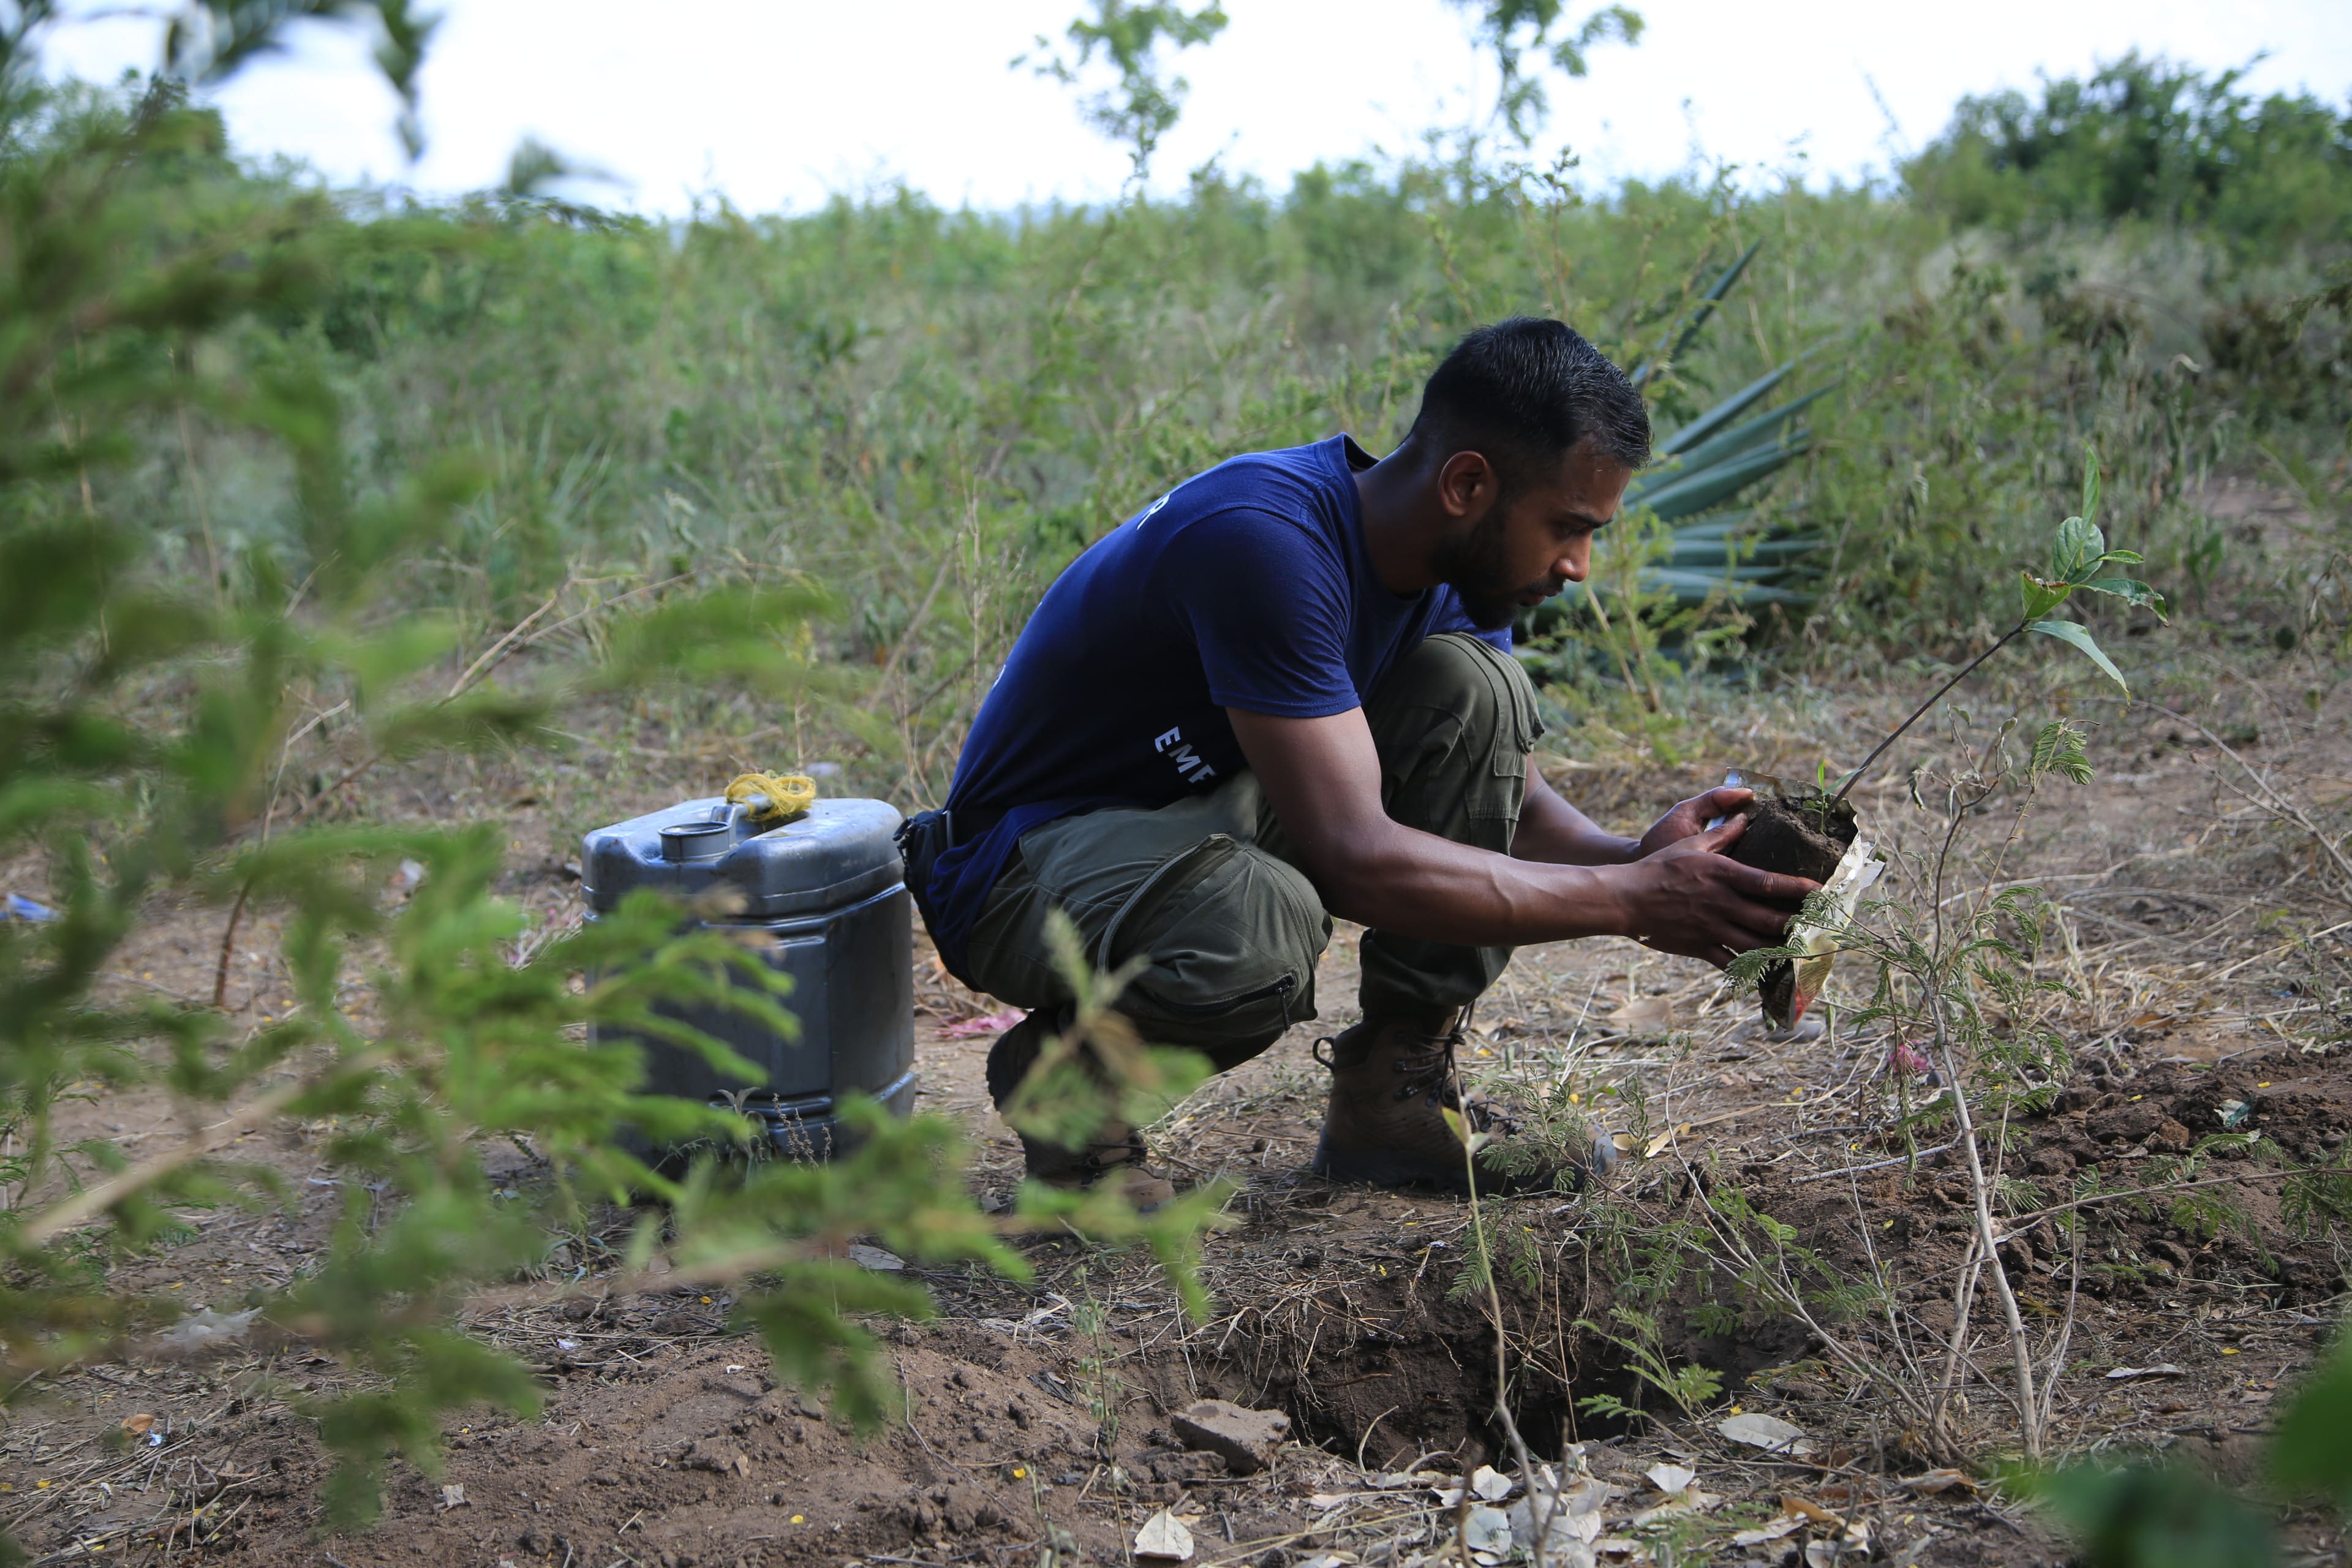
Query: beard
(1478, 569)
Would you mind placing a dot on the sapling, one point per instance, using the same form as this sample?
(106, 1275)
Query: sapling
(1807, 835)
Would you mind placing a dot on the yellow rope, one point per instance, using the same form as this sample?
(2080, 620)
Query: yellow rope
(789, 796)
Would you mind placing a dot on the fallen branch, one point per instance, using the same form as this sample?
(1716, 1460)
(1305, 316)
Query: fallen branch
(1874, 1166)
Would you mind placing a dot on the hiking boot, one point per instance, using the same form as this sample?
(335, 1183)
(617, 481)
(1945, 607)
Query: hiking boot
(1114, 1155)
(1392, 1079)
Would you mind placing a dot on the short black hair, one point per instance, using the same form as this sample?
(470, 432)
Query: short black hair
(1524, 391)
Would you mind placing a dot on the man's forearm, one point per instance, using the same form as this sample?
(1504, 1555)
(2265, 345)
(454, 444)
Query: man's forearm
(1418, 884)
(1322, 776)
(1552, 830)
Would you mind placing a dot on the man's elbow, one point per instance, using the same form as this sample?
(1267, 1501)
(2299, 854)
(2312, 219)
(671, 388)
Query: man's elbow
(1360, 882)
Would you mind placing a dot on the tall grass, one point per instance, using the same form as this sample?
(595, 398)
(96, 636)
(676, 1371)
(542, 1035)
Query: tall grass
(931, 412)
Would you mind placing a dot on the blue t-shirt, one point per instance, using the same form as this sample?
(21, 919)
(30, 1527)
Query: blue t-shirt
(1248, 586)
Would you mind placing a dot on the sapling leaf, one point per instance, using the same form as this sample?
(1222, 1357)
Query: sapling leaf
(2130, 589)
(2041, 597)
(2075, 553)
(2075, 632)
(1471, 1141)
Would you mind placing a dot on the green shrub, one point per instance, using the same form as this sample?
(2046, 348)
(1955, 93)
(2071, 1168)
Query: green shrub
(2145, 139)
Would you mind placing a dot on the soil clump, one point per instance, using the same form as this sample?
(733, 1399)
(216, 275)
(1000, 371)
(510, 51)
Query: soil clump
(1796, 837)
(1804, 838)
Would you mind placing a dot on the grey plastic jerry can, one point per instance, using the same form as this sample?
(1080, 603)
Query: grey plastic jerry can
(828, 895)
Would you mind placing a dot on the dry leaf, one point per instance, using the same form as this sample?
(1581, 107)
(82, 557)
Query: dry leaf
(454, 1496)
(2165, 1369)
(1490, 1483)
(1795, 1507)
(1788, 1523)
(137, 1425)
(1671, 1477)
(1766, 1432)
(1163, 1536)
(1942, 1480)
(1643, 1016)
(1487, 1530)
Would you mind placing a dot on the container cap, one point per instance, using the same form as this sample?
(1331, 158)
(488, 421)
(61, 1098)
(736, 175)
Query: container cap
(841, 851)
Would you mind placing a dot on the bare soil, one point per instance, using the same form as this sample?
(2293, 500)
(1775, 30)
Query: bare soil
(2206, 996)
(1785, 835)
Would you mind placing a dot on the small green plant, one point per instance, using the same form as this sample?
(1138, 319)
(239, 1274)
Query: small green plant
(1691, 1386)
(1512, 1248)
(1099, 1366)
(1962, 982)
(2319, 1202)
(2079, 562)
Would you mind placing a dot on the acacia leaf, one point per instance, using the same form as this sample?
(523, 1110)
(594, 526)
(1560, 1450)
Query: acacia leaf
(2059, 749)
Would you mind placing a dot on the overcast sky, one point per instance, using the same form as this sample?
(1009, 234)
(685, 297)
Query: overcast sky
(779, 103)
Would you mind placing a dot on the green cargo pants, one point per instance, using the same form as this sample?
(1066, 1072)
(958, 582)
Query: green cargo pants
(1209, 891)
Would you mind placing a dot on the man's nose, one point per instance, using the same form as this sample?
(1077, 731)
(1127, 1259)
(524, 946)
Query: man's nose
(1575, 563)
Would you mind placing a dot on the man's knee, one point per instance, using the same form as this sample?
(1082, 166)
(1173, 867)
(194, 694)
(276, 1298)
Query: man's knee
(1229, 936)
(1453, 726)
(1469, 678)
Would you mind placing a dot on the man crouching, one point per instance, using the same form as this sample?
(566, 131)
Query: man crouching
(1285, 691)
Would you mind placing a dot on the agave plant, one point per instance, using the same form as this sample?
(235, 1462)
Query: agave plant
(1707, 463)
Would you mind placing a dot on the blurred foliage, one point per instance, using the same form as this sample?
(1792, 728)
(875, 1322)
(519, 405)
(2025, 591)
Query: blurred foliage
(1512, 30)
(2150, 1516)
(171, 333)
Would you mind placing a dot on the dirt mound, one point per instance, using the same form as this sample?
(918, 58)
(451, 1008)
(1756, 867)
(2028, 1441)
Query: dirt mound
(1383, 1351)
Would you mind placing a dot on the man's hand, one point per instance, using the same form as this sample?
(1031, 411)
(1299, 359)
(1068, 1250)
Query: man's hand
(1692, 816)
(1689, 899)
(1322, 776)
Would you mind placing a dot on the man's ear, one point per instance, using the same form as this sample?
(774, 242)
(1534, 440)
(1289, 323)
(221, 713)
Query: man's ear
(1467, 485)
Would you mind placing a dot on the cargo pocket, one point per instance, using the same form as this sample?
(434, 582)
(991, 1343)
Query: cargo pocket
(1230, 936)
(1518, 726)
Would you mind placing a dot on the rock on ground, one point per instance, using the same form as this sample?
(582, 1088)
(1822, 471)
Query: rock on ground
(1244, 1438)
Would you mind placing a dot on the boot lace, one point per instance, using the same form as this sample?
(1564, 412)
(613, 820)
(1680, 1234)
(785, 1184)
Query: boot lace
(1428, 1070)
(1431, 1072)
